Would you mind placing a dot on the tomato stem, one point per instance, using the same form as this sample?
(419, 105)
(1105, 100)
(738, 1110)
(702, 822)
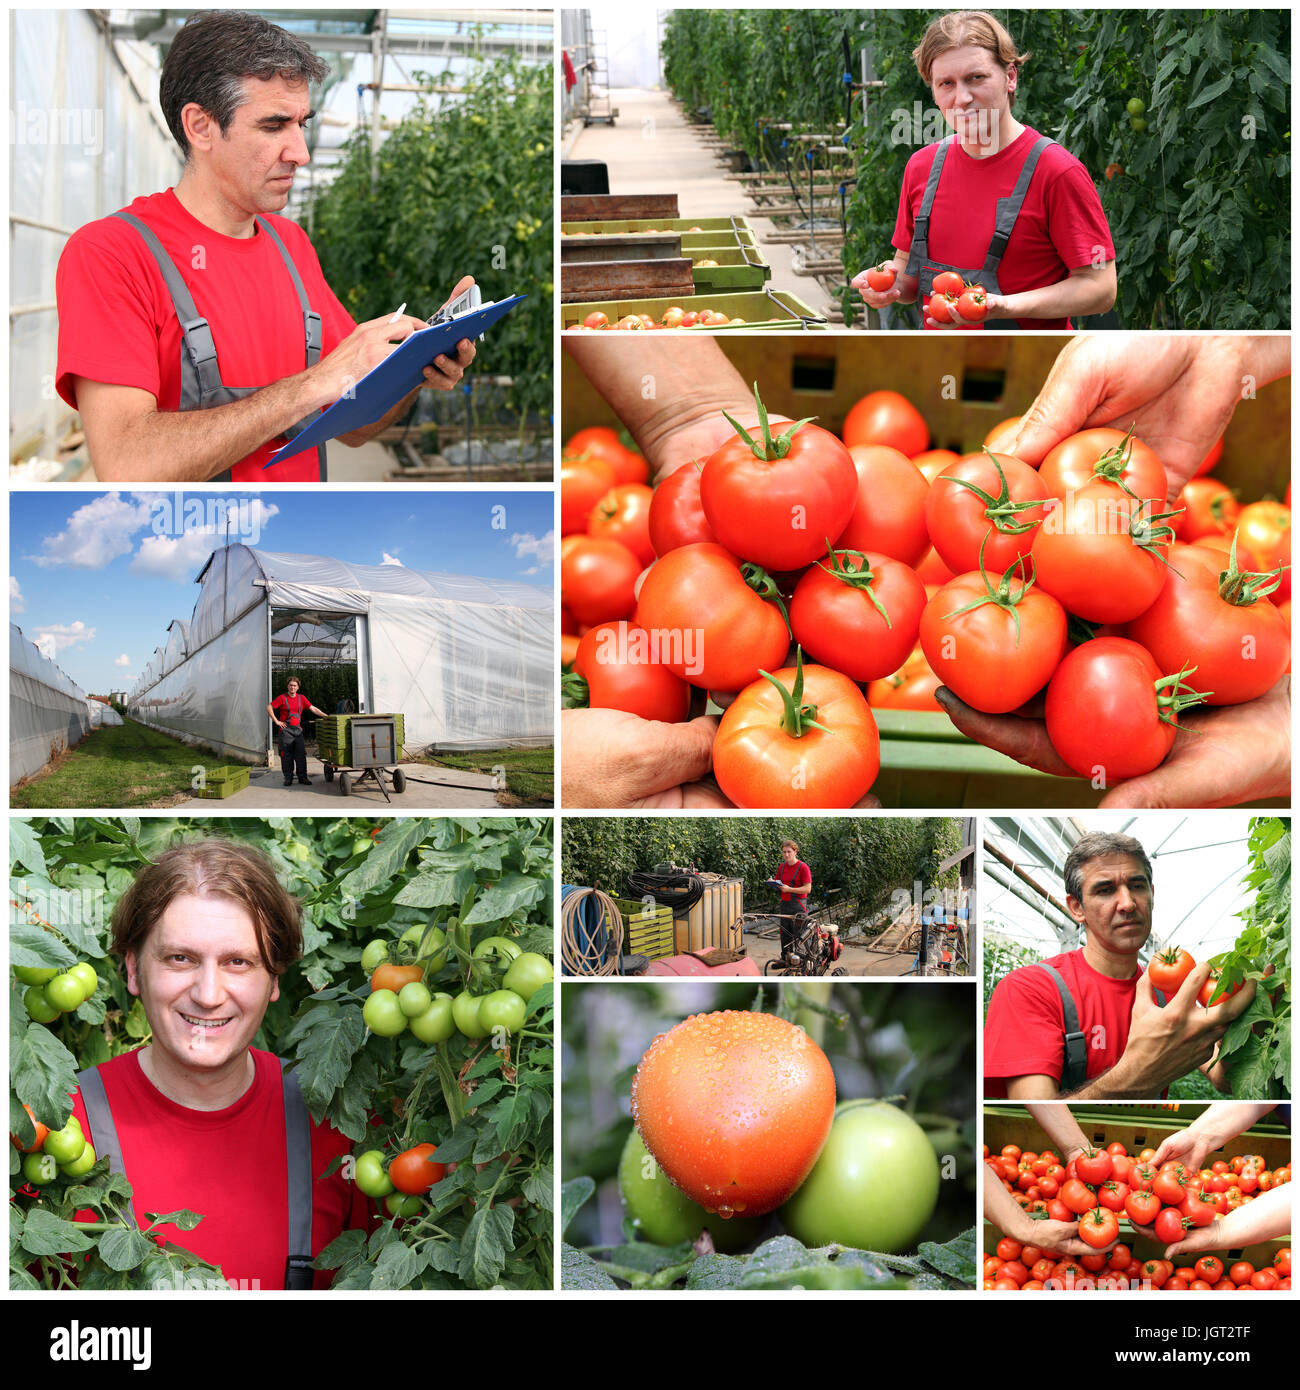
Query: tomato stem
(574, 691)
(860, 578)
(771, 447)
(1244, 588)
(1002, 595)
(1179, 696)
(1001, 510)
(1113, 464)
(798, 717)
(765, 587)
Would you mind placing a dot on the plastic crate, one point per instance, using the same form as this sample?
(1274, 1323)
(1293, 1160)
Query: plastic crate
(741, 268)
(221, 782)
(713, 230)
(648, 930)
(760, 309)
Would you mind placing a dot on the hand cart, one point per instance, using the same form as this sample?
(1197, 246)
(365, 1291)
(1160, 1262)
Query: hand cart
(375, 750)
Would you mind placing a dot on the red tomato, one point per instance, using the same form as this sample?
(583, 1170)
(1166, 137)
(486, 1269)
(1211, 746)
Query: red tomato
(1199, 1208)
(1208, 616)
(1104, 456)
(1009, 1249)
(947, 282)
(1093, 1166)
(1264, 542)
(1204, 997)
(1170, 1226)
(933, 462)
(676, 512)
(596, 320)
(1112, 1195)
(1209, 509)
(885, 417)
(1101, 554)
(1242, 1272)
(1282, 1262)
(1209, 1268)
(995, 656)
(1099, 1227)
(767, 754)
(889, 512)
(912, 686)
(602, 442)
(1168, 969)
(1001, 437)
(881, 277)
(1265, 1279)
(1155, 1273)
(698, 597)
(598, 580)
(973, 304)
(619, 663)
(988, 500)
(1111, 712)
(1078, 1197)
(583, 482)
(858, 613)
(412, 1172)
(623, 514)
(1170, 1186)
(779, 501)
(941, 307)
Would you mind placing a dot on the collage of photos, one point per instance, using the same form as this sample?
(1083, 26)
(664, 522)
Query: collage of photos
(815, 816)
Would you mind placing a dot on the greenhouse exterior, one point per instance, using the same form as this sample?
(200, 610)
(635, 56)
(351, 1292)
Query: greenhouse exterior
(48, 710)
(467, 661)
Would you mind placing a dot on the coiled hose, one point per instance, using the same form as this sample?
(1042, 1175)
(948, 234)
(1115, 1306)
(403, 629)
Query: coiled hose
(680, 890)
(587, 952)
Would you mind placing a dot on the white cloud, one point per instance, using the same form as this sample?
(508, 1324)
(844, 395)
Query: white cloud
(96, 534)
(179, 558)
(391, 560)
(57, 638)
(540, 548)
(16, 604)
(122, 660)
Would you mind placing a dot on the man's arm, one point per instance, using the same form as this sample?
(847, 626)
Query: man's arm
(270, 709)
(1088, 290)
(445, 373)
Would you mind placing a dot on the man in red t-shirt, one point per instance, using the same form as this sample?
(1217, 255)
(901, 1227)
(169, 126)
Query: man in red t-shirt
(197, 1118)
(287, 710)
(1056, 257)
(795, 880)
(1132, 1047)
(266, 345)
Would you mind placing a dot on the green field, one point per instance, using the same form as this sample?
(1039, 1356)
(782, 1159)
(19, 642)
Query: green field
(120, 768)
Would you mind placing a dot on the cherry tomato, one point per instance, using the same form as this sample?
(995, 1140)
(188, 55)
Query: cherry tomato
(885, 417)
(676, 512)
(618, 662)
(735, 1107)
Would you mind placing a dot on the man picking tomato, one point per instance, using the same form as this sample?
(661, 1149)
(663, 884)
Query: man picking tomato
(995, 204)
(1087, 1024)
(198, 1119)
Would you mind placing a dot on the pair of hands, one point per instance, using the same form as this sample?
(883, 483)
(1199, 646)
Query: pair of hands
(905, 289)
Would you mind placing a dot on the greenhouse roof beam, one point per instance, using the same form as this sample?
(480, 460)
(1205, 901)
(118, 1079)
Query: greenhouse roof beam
(432, 44)
(1063, 929)
(1015, 868)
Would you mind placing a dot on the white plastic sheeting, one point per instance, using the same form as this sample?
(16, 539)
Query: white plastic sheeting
(468, 661)
(47, 708)
(102, 716)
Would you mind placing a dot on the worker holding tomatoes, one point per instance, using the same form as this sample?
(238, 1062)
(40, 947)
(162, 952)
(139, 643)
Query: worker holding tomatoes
(995, 221)
(1087, 1023)
(794, 878)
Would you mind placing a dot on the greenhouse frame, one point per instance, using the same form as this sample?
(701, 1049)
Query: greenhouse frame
(467, 661)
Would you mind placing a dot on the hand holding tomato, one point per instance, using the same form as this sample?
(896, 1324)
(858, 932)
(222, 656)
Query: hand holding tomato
(613, 759)
(903, 288)
(962, 311)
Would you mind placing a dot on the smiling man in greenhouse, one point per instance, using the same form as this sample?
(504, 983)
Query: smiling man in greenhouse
(1089, 1024)
(196, 330)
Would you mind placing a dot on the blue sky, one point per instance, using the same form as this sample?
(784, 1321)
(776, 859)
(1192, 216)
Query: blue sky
(95, 577)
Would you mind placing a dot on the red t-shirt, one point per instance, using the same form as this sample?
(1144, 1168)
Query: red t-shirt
(1061, 226)
(1024, 1033)
(117, 323)
(291, 707)
(231, 1166)
(796, 874)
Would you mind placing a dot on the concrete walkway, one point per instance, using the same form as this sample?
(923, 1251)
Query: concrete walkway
(437, 788)
(652, 148)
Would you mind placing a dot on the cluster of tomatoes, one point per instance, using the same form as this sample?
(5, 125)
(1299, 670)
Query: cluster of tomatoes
(55, 1152)
(1100, 1187)
(1172, 965)
(897, 568)
(52, 992)
(400, 998)
(402, 1180)
(673, 317)
(952, 300)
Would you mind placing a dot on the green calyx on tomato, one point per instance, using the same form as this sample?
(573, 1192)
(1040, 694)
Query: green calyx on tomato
(1149, 532)
(1001, 510)
(762, 583)
(1004, 596)
(1112, 465)
(1244, 588)
(574, 691)
(798, 718)
(859, 576)
(1172, 696)
(771, 446)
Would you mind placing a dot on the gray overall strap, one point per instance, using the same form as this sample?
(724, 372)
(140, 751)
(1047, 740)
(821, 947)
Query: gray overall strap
(1008, 208)
(297, 1139)
(102, 1128)
(1075, 1070)
(310, 320)
(920, 249)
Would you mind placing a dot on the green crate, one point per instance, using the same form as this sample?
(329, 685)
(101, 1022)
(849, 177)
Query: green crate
(334, 739)
(741, 268)
(711, 228)
(760, 309)
(647, 931)
(222, 782)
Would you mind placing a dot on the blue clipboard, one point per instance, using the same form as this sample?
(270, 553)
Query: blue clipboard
(396, 376)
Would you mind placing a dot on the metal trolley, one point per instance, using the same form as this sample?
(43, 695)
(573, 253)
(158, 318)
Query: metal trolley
(375, 750)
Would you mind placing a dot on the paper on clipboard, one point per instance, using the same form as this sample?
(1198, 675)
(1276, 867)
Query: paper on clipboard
(396, 376)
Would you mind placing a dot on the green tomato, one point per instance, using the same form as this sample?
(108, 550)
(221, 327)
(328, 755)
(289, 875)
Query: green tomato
(38, 1006)
(499, 946)
(874, 1186)
(375, 954)
(436, 1024)
(1136, 106)
(464, 1009)
(65, 1145)
(428, 944)
(1138, 123)
(503, 1008)
(85, 972)
(40, 1168)
(64, 992)
(383, 1014)
(414, 999)
(370, 1176)
(35, 974)
(399, 1204)
(528, 974)
(79, 1167)
(664, 1215)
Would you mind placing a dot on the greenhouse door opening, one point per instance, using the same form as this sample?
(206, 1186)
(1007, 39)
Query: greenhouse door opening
(328, 654)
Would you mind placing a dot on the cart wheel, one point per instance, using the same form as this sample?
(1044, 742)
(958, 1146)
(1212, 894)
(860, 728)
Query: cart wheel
(839, 970)
(329, 772)
(345, 784)
(399, 780)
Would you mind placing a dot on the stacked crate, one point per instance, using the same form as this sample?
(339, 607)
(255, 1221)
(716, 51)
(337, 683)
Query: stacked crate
(334, 739)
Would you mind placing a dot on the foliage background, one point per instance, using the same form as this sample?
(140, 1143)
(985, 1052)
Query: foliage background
(456, 179)
(1200, 215)
(356, 880)
(915, 1041)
